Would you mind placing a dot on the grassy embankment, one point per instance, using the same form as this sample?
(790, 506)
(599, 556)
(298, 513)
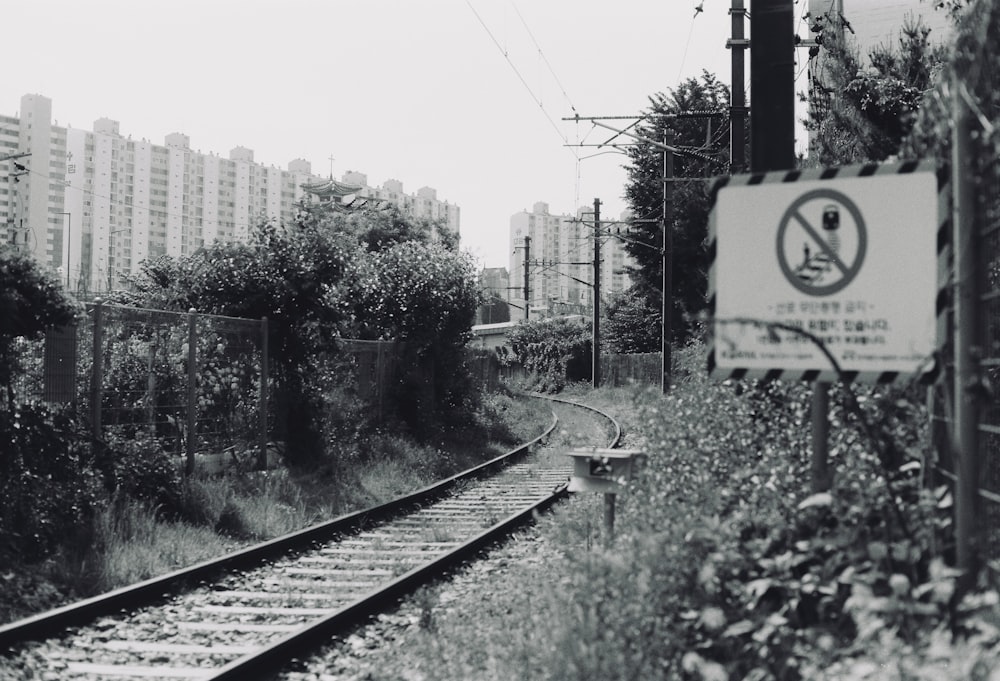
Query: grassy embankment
(724, 565)
(132, 540)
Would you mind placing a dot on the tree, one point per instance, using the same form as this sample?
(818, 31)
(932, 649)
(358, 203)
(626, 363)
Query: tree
(550, 349)
(705, 153)
(630, 324)
(31, 302)
(862, 110)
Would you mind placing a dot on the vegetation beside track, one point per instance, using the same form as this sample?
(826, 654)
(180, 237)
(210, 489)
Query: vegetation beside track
(724, 566)
(131, 538)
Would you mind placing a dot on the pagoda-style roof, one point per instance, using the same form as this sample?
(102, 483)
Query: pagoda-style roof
(331, 190)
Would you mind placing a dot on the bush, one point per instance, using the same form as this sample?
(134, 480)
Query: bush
(726, 566)
(550, 350)
(142, 471)
(49, 485)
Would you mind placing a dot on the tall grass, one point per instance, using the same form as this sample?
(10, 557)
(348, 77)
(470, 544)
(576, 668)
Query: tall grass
(134, 539)
(718, 570)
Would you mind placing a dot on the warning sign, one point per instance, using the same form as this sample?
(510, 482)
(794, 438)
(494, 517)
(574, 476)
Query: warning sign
(840, 261)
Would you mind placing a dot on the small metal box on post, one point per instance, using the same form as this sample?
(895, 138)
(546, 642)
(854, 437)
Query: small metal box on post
(607, 471)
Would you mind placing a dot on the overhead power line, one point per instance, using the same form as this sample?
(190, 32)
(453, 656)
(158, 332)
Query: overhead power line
(542, 55)
(520, 77)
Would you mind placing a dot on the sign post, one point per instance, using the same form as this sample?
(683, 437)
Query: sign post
(607, 471)
(826, 274)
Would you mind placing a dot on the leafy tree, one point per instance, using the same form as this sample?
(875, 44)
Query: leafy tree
(630, 324)
(549, 348)
(862, 109)
(293, 276)
(704, 153)
(31, 302)
(378, 228)
(329, 275)
(426, 296)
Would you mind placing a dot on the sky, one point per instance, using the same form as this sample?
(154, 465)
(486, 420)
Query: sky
(465, 96)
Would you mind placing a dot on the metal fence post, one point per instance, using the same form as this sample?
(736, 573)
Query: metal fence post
(262, 453)
(97, 373)
(192, 392)
(965, 444)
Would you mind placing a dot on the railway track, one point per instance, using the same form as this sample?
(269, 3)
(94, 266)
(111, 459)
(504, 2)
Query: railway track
(250, 613)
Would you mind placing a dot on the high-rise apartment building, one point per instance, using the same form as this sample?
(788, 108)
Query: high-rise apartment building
(92, 205)
(560, 260)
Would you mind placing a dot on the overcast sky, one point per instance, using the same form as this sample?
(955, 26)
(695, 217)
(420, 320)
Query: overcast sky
(463, 96)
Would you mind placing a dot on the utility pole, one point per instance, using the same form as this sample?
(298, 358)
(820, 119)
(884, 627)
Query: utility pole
(737, 109)
(13, 220)
(772, 82)
(666, 336)
(66, 240)
(772, 147)
(527, 260)
(596, 352)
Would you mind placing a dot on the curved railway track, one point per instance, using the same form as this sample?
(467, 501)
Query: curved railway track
(251, 612)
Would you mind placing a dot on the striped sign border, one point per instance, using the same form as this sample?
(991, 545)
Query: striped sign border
(942, 304)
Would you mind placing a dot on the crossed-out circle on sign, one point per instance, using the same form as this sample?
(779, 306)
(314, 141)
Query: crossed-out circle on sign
(821, 242)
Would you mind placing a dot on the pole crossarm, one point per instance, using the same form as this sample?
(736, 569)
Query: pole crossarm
(682, 114)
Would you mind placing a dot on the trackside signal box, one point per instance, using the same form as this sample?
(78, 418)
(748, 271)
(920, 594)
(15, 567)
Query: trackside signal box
(603, 470)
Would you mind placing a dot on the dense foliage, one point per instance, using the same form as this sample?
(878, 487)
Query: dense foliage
(330, 275)
(553, 351)
(630, 324)
(704, 153)
(31, 302)
(862, 107)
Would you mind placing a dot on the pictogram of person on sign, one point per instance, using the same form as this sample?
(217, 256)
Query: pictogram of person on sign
(815, 266)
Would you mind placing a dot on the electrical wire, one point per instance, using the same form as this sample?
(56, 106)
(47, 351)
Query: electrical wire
(520, 77)
(680, 69)
(542, 55)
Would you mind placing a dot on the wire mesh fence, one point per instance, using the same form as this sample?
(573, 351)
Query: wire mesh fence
(987, 226)
(192, 383)
(965, 404)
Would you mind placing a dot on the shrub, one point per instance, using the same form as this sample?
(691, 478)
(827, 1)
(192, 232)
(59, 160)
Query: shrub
(548, 348)
(49, 485)
(142, 471)
(725, 566)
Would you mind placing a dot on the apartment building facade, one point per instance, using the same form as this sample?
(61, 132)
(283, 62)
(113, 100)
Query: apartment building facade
(92, 205)
(559, 250)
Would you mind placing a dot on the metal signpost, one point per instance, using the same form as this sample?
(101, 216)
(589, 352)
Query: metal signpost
(607, 471)
(846, 255)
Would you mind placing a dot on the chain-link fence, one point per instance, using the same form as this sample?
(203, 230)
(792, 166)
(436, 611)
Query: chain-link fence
(192, 383)
(987, 347)
(965, 404)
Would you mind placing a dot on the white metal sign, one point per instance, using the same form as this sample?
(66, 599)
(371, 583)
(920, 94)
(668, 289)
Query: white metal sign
(846, 255)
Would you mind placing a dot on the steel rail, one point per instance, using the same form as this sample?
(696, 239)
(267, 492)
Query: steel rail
(53, 622)
(315, 634)
(615, 440)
